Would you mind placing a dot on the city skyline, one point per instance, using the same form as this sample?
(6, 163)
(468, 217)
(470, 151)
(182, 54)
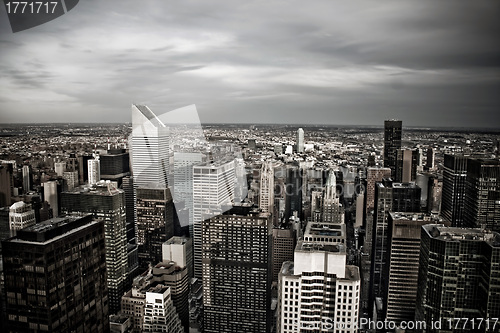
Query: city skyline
(426, 63)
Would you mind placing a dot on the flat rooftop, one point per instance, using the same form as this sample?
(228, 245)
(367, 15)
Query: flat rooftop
(439, 231)
(315, 246)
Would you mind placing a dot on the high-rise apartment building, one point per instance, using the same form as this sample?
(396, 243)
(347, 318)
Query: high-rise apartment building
(266, 190)
(237, 273)
(459, 277)
(213, 193)
(155, 223)
(482, 194)
(318, 292)
(453, 196)
(94, 170)
(149, 154)
(21, 215)
(300, 140)
(108, 204)
(55, 277)
(392, 143)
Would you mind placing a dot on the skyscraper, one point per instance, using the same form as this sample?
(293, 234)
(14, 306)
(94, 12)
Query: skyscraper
(404, 250)
(108, 204)
(149, 152)
(55, 277)
(332, 211)
(94, 170)
(318, 292)
(392, 142)
(266, 190)
(482, 193)
(407, 161)
(27, 178)
(284, 240)
(237, 273)
(453, 196)
(459, 277)
(6, 184)
(51, 195)
(300, 140)
(155, 223)
(213, 193)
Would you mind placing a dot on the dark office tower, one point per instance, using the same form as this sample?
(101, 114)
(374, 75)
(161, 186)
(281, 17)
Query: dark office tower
(6, 184)
(404, 246)
(389, 197)
(236, 273)
(83, 169)
(482, 193)
(405, 197)
(108, 204)
(155, 223)
(459, 277)
(293, 188)
(430, 159)
(55, 277)
(114, 165)
(453, 197)
(380, 250)
(392, 143)
(128, 188)
(283, 247)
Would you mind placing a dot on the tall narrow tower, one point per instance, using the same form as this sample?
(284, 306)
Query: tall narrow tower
(300, 140)
(266, 196)
(392, 142)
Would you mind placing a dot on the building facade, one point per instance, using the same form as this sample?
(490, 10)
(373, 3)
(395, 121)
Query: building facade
(55, 277)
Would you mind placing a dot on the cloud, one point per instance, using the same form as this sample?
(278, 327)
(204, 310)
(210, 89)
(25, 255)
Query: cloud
(345, 62)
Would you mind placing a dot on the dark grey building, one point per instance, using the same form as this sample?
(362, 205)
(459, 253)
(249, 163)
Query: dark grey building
(155, 223)
(459, 277)
(55, 277)
(392, 143)
(108, 204)
(236, 268)
(453, 196)
(482, 193)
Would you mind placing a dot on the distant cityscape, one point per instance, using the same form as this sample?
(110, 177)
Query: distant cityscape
(157, 226)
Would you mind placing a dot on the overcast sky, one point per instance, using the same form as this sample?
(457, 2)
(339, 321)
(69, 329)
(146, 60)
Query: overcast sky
(429, 63)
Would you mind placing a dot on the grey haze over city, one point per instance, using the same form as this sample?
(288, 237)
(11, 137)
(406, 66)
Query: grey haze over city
(429, 63)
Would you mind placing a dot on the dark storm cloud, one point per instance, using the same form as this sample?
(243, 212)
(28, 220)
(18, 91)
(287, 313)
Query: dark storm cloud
(426, 62)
